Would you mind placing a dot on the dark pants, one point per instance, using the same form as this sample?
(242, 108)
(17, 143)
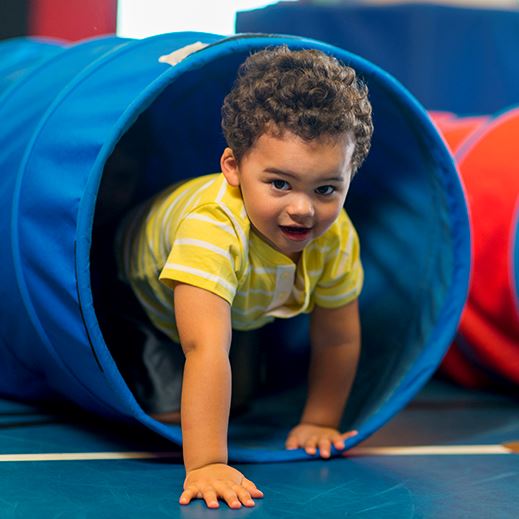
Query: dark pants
(150, 362)
(153, 365)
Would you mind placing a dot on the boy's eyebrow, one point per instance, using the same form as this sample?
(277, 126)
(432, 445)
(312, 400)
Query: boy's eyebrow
(294, 176)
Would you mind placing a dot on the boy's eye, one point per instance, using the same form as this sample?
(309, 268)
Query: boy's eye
(282, 185)
(325, 190)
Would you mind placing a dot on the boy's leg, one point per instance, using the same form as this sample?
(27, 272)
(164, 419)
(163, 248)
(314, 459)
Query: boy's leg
(245, 356)
(245, 367)
(151, 363)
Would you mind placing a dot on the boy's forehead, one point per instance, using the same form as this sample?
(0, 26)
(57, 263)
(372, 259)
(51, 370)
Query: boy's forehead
(287, 152)
(284, 136)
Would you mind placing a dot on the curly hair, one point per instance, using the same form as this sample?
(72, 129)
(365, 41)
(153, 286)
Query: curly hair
(306, 92)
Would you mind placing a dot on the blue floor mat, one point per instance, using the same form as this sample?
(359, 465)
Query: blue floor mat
(378, 486)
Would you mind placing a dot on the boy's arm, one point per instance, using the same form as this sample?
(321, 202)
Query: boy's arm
(335, 338)
(204, 326)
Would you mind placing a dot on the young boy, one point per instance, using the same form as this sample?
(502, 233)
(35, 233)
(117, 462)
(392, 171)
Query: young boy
(267, 237)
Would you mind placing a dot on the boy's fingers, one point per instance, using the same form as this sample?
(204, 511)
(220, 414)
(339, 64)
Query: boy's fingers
(324, 447)
(338, 443)
(186, 496)
(243, 495)
(191, 492)
(251, 487)
(349, 434)
(210, 498)
(225, 491)
(311, 445)
(292, 443)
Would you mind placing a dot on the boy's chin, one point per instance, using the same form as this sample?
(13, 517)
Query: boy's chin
(283, 244)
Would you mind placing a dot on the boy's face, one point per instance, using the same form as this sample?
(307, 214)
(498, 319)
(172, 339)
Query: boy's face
(293, 190)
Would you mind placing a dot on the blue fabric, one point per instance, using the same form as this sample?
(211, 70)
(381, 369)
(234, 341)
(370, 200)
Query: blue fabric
(18, 56)
(451, 58)
(108, 107)
(23, 103)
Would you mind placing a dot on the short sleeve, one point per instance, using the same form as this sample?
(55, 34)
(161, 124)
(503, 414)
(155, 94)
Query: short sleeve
(343, 275)
(206, 252)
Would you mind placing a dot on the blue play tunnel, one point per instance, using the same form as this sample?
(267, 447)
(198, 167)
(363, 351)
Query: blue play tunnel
(102, 125)
(19, 56)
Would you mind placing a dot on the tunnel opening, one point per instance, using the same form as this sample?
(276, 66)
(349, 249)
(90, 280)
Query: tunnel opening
(396, 202)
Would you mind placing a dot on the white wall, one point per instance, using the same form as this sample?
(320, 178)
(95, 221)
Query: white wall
(139, 19)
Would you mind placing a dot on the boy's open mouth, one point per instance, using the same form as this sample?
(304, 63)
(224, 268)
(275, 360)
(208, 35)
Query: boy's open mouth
(295, 232)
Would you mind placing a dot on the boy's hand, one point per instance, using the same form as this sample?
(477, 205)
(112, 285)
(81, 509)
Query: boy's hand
(219, 480)
(310, 437)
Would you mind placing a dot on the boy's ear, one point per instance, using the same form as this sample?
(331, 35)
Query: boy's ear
(229, 166)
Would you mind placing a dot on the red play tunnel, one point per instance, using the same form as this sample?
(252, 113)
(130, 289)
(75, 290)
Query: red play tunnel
(486, 350)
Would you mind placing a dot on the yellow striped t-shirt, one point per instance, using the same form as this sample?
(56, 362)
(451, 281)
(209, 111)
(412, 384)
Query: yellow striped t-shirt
(198, 232)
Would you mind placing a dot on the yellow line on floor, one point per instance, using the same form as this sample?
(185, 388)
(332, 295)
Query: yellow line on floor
(426, 450)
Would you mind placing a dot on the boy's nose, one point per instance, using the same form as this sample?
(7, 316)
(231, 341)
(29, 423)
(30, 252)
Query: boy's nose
(301, 209)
